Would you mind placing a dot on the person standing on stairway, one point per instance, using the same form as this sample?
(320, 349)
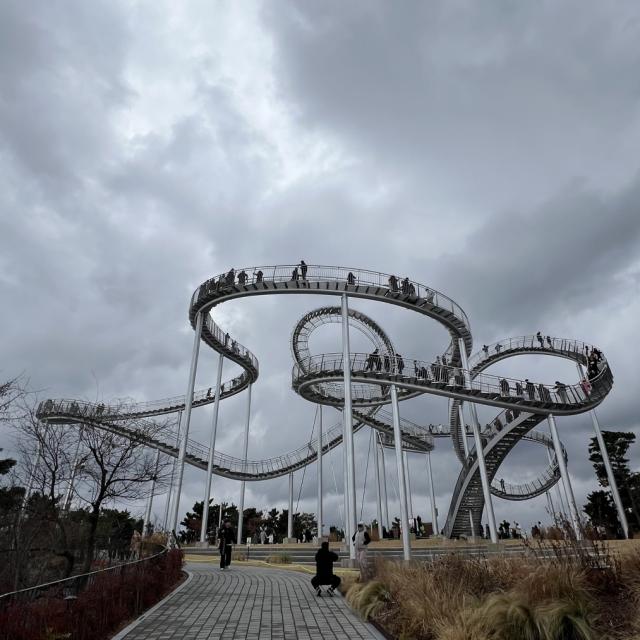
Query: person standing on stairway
(361, 539)
(225, 545)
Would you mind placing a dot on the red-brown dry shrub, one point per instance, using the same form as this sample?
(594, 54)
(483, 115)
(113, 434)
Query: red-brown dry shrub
(104, 605)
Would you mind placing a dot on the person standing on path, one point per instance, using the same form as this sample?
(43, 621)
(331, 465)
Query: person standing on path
(324, 570)
(227, 536)
(303, 269)
(361, 539)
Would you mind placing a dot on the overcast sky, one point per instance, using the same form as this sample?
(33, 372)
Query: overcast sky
(489, 150)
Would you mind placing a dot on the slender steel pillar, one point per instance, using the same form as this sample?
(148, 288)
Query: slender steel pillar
(550, 506)
(473, 526)
(245, 449)
(147, 513)
(432, 497)
(385, 503)
(376, 460)
(66, 504)
(350, 516)
(32, 478)
(408, 476)
(167, 505)
(320, 514)
(188, 401)
(397, 437)
(290, 513)
(563, 508)
(465, 444)
(212, 447)
(564, 474)
(475, 425)
(220, 516)
(622, 516)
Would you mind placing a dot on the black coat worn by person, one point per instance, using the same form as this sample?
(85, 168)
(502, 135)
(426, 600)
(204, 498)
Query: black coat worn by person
(324, 568)
(227, 537)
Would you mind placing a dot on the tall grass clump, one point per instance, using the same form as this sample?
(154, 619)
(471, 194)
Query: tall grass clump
(368, 598)
(471, 598)
(279, 558)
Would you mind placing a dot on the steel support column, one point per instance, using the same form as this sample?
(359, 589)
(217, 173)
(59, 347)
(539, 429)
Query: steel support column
(320, 514)
(385, 503)
(622, 516)
(397, 437)
(408, 476)
(147, 513)
(351, 515)
(245, 451)
(376, 461)
(290, 513)
(188, 401)
(66, 504)
(212, 447)
(463, 426)
(475, 425)
(432, 497)
(167, 505)
(32, 478)
(564, 474)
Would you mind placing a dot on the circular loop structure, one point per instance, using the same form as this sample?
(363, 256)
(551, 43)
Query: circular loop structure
(319, 379)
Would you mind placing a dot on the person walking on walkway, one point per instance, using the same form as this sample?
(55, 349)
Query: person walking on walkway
(531, 390)
(561, 390)
(361, 539)
(227, 536)
(324, 570)
(399, 363)
(303, 269)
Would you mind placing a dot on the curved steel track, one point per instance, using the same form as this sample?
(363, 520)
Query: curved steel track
(318, 378)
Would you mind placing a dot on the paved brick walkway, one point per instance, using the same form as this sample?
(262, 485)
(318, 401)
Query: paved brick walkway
(250, 603)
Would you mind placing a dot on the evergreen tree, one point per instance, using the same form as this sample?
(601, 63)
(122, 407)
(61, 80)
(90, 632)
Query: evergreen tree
(617, 444)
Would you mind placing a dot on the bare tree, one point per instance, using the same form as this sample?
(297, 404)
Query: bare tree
(117, 468)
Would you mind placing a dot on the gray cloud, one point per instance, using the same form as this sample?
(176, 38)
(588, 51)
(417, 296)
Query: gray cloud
(487, 151)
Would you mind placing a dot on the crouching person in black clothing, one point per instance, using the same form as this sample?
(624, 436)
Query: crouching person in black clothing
(227, 538)
(324, 570)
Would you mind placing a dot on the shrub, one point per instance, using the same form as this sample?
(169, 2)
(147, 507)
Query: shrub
(368, 598)
(279, 558)
(109, 600)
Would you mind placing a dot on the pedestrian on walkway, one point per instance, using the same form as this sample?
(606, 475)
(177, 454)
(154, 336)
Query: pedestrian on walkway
(303, 269)
(225, 545)
(561, 390)
(531, 390)
(324, 570)
(361, 539)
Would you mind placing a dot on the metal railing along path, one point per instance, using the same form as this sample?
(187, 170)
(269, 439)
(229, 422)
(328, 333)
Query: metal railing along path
(70, 587)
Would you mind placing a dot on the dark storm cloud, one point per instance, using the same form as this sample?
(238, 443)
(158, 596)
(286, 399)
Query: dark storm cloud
(489, 151)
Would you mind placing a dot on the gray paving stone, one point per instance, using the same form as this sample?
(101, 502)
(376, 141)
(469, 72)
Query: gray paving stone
(250, 603)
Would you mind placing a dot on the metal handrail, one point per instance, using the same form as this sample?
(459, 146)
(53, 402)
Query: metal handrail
(81, 578)
(504, 388)
(329, 273)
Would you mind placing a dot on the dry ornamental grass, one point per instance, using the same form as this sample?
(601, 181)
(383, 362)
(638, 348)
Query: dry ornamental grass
(590, 594)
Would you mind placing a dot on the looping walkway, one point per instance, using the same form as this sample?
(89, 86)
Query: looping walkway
(249, 603)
